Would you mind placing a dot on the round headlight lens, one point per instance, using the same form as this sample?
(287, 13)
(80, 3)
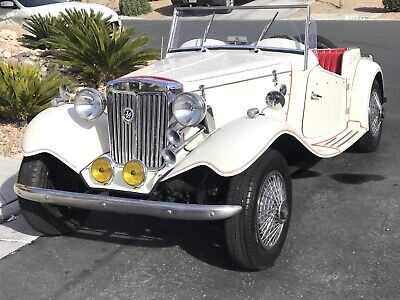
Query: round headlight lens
(189, 109)
(102, 170)
(89, 104)
(134, 173)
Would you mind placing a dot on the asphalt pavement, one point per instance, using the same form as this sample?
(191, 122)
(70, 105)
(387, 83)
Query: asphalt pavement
(343, 241)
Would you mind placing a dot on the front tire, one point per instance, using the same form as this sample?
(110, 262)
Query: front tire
(47, 172)
(256, 236)
(371, 139)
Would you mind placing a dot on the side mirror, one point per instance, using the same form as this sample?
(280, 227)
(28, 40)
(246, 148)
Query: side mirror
(7, 4)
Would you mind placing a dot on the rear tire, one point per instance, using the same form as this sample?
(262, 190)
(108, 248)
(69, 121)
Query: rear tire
(369, 142)
(255, 237)
(47, 172)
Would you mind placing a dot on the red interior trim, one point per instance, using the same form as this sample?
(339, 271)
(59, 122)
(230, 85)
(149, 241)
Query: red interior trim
(331, 59)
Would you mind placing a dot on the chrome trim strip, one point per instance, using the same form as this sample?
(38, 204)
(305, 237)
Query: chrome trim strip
(348, 139)
(127, 205)
(341, 139)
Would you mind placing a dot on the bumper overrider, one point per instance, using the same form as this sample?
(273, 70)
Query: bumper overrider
(128, 205)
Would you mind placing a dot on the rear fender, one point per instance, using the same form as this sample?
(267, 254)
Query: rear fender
(233, 148)
(60, 132)
(366, 72)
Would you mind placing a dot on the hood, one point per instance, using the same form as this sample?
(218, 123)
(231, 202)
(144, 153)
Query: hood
(193, 68)
(56, 8)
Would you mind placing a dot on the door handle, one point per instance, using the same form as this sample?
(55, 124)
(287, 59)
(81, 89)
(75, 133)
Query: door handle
(315, 96)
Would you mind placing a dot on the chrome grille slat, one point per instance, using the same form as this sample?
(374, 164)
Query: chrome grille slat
(143, 138)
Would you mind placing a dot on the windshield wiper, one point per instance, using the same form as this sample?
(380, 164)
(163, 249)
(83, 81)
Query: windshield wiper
(206, 32)
(265, 30)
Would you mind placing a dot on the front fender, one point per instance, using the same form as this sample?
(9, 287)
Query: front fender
(233, 148)
(364, 77)
(60, 132)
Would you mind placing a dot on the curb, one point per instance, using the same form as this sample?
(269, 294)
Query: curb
(8, 176)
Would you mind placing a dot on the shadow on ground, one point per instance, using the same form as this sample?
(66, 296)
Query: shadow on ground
(165, 10)
(202, 240)
(373, 10)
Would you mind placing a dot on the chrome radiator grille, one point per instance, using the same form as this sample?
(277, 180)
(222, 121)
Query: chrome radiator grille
(143, 137)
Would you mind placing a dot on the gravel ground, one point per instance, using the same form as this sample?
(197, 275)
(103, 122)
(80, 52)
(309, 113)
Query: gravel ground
(10, 139)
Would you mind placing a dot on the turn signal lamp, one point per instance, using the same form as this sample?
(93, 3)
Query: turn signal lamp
(101, 170)
(134, 173)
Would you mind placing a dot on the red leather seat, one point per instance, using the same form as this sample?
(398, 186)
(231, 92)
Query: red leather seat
(331, 59)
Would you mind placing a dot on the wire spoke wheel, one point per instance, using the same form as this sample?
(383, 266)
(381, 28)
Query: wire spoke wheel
(375, 113)
(272, 210)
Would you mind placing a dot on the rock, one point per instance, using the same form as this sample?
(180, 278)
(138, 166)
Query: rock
(46, 53)
(33, 58)
(12, 60)
(25, 54)
(38, 52)
(52, 65)
(6, 54)
(43, 70)
(29, 62)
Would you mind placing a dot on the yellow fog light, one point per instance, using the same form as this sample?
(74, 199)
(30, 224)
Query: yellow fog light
(101, 170)
(134, 173)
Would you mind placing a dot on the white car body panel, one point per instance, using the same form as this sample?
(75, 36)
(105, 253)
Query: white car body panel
(22, 12)
(61, 133)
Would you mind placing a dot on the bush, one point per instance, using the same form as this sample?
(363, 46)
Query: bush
(99, 52)
(134, 7)
(392, 5)
(23, 93)
(39, 29)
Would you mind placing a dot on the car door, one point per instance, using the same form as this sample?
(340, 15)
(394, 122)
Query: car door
(325, 105)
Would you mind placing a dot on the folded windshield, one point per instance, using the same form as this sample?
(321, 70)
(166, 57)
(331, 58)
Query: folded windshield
(276, 27)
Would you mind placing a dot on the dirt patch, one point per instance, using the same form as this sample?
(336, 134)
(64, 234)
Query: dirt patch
(364, 8)
(10, 139)
(113, 4)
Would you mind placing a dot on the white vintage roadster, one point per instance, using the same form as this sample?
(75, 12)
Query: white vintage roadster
(208, 132)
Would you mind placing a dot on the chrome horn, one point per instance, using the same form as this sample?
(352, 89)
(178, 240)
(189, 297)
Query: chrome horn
(169, 153)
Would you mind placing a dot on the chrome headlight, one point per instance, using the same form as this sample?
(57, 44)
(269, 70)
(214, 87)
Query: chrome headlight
(189, 109)
(89, 103)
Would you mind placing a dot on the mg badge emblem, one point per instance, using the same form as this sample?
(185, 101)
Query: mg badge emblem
(127, 115)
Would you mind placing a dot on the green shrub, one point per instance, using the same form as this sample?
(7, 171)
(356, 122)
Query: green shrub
(24, 93)
(134, 7)
(392, 5)
(39, 29)
(88, 45)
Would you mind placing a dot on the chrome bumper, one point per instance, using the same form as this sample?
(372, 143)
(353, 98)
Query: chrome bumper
(127, 205)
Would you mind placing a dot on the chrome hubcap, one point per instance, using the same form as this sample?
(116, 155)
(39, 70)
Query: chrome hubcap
(272, 210)
(375, 113)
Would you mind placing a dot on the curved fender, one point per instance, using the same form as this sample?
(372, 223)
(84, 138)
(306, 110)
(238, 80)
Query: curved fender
(364, 77)
(233, 148)
(60, 132)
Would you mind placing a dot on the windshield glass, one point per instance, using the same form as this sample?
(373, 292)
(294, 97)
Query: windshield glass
(33, 3)
(264, 28)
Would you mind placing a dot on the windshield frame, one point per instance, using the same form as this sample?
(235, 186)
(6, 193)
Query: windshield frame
(216, 8)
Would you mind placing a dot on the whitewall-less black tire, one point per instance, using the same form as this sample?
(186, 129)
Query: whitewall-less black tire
(47, 172)
(256, 236)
